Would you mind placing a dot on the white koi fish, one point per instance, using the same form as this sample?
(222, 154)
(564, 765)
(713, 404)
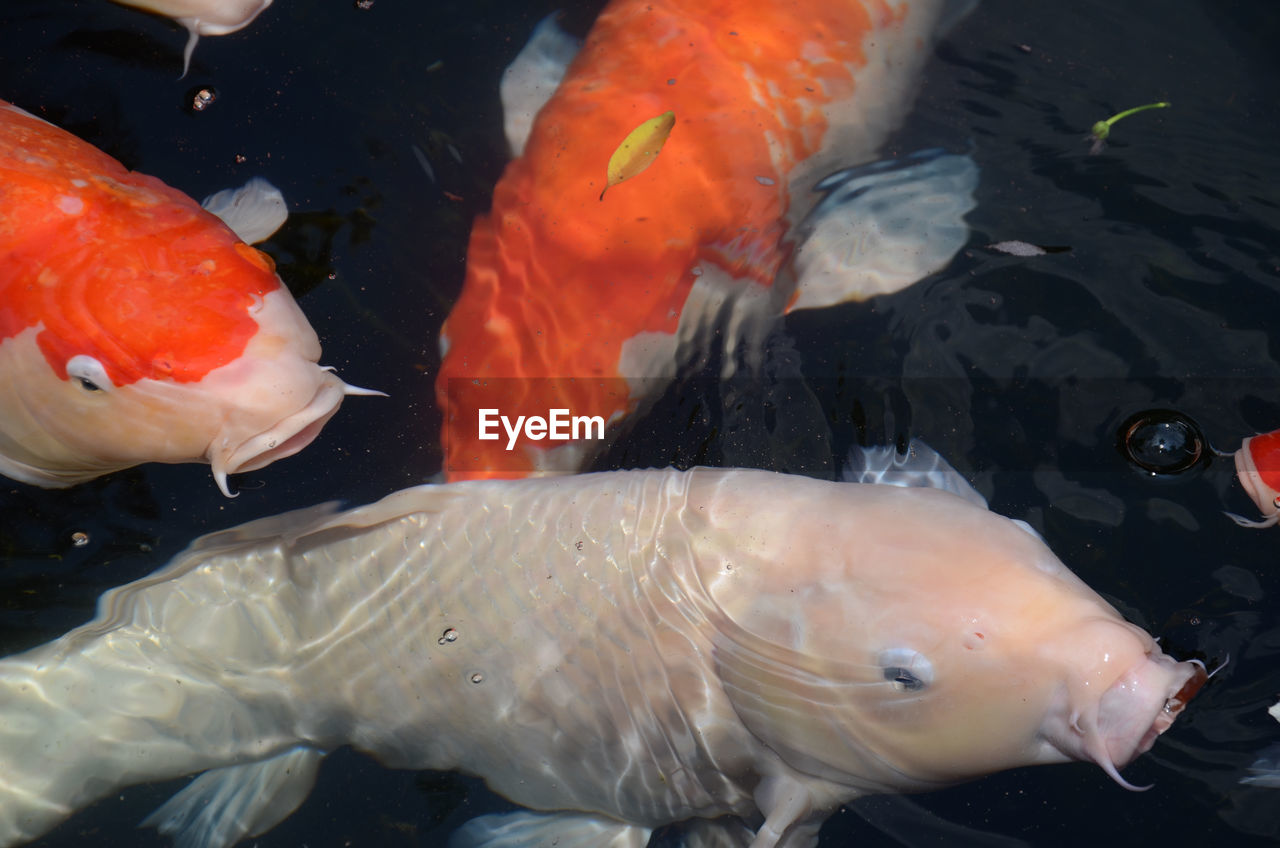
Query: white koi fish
(742, 651)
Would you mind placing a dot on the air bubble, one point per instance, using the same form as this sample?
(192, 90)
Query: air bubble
(449, 635)
(1162, 442)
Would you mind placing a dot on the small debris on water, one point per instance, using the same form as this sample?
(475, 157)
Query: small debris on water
(1026, 248)
(79, 538)
(203, 99)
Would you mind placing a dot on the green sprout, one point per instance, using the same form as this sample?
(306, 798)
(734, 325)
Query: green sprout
(1102, 129)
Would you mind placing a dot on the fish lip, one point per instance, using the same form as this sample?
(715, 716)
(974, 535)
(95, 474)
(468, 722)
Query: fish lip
(1180, 693)
(287, 437)
(1130, 715)
(1136, 710)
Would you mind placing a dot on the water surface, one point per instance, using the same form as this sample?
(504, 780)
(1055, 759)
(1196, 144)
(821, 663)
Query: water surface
(1020, 370)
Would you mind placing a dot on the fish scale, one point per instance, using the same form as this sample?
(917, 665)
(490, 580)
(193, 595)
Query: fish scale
(559, 621)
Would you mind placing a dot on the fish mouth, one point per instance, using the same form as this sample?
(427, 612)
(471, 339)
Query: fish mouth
(288, 436)
(1136, 710)
(1174, 705)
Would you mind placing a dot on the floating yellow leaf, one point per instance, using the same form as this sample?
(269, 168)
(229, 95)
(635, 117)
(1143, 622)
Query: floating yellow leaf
(639, 149)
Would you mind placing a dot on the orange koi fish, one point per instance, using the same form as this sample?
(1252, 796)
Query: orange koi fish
(137, 327)
(1258, 470)
(580, 304)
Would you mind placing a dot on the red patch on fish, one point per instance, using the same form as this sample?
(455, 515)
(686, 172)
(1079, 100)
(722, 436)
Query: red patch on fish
(1265, 452)
(116, 265)
(558, 278)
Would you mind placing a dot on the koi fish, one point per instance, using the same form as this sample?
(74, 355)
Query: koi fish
(203, 17)
(587, 303)
(1258, 470)
(617, 651)
(137, 327)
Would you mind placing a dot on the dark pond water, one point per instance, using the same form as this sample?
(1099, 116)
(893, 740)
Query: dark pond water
(1020, 370)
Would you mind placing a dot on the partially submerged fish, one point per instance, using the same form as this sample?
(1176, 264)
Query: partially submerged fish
(137, 327)
(589, 304)
(203, 17)
(1258, 470)
(742, 651)
(1265, 770)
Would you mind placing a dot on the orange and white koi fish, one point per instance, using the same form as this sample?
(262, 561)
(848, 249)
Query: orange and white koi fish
(584, 304)
(136, 326)
(203, 17)
(1258, 470)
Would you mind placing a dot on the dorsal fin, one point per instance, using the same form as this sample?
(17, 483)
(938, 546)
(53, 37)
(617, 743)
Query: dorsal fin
(920, 467)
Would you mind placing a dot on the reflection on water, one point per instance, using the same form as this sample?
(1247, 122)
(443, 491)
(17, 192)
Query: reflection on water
(1020, 370)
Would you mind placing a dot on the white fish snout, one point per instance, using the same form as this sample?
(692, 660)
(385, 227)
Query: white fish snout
(233, 451)
(1142, 704)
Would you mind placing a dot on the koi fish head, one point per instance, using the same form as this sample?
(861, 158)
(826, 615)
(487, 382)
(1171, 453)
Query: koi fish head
(1258, 469)
(137, 327)
(915, 640)
(267, 403)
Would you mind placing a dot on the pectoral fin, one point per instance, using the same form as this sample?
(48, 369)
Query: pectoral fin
(921, 466)
(725, 832)
(533, 830)
(223, 806)
(253, 212)
(883, 227)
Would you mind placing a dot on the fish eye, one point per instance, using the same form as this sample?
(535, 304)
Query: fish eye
(88, 372)
(902, 679)
(906, 669)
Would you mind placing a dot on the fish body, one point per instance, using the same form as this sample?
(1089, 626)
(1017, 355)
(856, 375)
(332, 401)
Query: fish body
(588, 302)
(1258, 470)
(620, 651)
(137, 327)
(203, 17)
